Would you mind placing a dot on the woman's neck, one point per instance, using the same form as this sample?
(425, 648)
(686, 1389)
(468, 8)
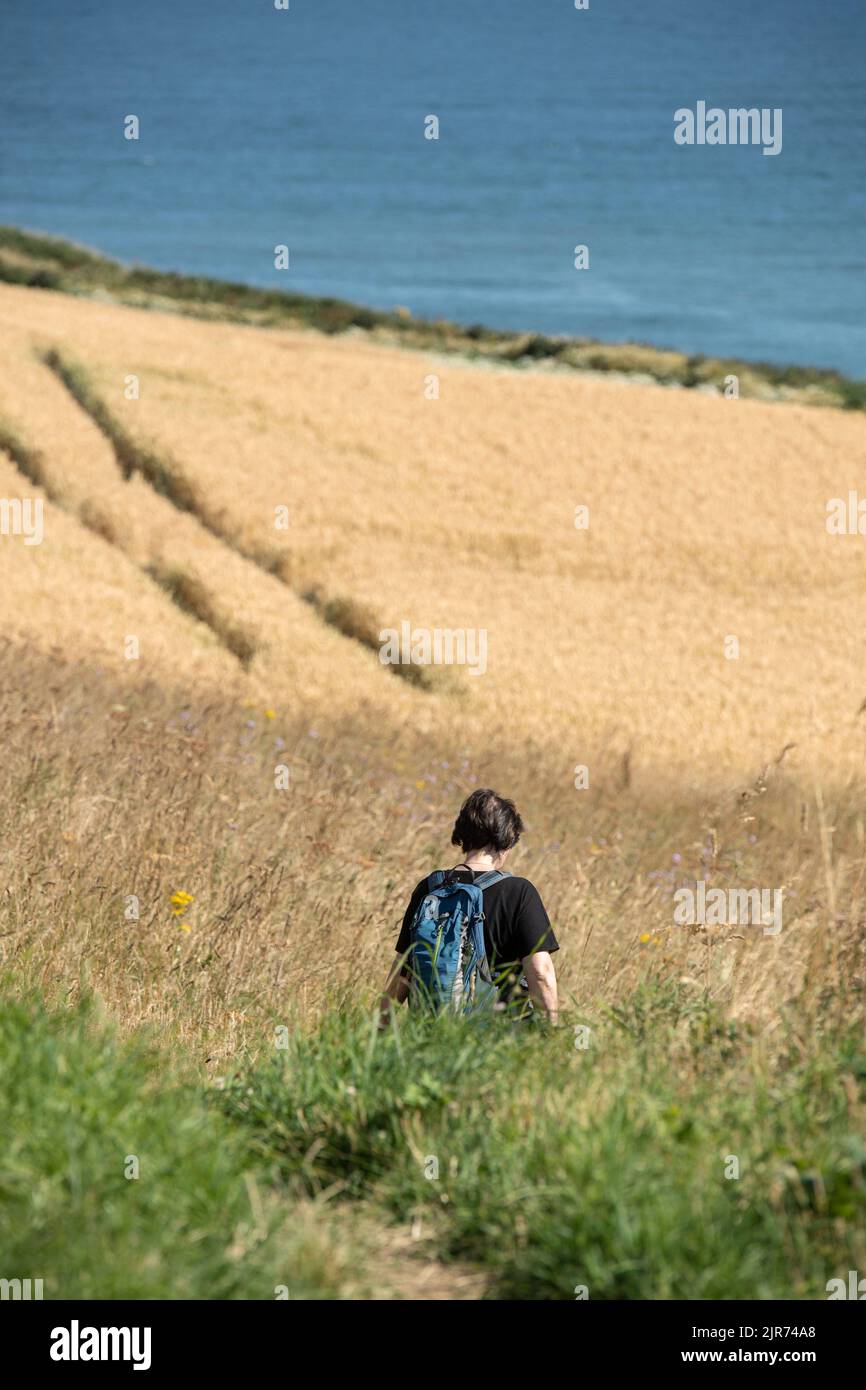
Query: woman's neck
(479, 860)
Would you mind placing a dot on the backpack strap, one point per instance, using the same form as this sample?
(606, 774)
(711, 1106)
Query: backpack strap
(449, 876)
(492, 876)
(434, 879)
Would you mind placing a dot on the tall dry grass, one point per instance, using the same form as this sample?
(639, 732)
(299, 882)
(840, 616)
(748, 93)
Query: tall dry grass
(112, 791)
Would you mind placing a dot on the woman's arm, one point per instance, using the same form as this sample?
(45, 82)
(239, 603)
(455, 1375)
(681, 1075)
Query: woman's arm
(396, 991)
(541, 979)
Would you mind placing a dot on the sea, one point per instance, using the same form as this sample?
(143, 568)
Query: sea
(511, 163)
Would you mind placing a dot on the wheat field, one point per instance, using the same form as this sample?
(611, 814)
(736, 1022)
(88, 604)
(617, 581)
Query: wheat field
(606, 650)
(706, 521)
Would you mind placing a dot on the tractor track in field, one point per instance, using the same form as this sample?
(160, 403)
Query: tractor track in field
(163, 474)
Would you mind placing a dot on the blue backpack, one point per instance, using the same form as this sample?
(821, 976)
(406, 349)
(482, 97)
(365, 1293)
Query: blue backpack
(447, 959)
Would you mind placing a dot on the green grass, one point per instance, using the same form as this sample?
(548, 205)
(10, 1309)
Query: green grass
(603, 1166)
(547, 1165)
(44, 262)
(198, 1222)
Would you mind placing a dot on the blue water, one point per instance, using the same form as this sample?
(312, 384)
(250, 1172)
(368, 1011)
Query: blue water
(305, 127)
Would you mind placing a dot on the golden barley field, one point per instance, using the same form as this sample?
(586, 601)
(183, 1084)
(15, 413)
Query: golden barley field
(697, 647)
(706, 521)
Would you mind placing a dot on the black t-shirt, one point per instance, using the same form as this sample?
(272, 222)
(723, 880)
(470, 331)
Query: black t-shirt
(515, 922)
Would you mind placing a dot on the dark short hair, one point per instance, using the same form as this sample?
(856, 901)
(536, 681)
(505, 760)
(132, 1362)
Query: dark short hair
(487, 819)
